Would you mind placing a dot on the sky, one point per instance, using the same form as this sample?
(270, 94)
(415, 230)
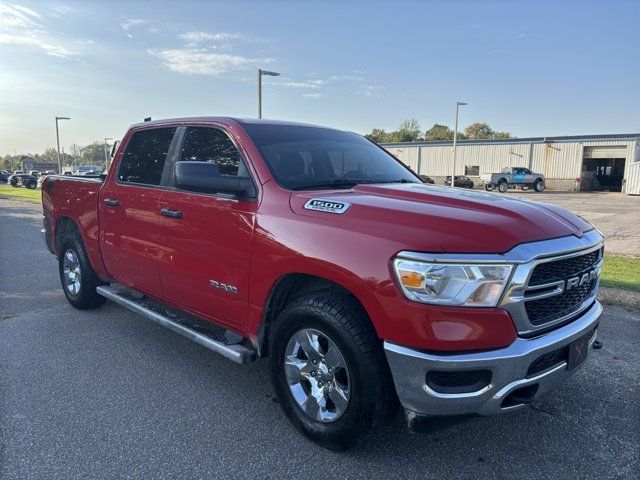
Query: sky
(528, 68)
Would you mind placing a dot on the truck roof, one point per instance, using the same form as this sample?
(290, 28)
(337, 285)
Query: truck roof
(240, 120)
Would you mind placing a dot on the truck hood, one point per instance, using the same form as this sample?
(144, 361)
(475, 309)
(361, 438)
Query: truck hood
(440, 219)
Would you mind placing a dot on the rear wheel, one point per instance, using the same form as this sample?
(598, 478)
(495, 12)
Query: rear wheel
(78, 279)
(489, 187)
(329, 371)
(31, 186)
(503, 187)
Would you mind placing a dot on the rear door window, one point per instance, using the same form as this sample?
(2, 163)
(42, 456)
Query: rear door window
(145, 156)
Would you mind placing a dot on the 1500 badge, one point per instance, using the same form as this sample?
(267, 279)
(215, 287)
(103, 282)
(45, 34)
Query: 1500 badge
(328, 206)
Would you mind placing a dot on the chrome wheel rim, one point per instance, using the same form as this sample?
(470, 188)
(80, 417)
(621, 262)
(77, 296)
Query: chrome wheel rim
(71, 272)
(317, 375)
(540, 186)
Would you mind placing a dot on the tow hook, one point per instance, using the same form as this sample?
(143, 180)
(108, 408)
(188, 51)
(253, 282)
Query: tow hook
(597, 345)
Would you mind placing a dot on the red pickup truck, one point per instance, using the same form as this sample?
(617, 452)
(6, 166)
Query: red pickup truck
(318, 249)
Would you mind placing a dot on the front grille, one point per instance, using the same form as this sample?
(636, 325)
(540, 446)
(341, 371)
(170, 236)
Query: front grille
(560, 269)
(549, 309)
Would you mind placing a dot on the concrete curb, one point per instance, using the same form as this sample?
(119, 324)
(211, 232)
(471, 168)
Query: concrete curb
(614, 296)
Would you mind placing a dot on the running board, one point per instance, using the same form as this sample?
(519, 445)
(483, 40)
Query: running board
(225, 343)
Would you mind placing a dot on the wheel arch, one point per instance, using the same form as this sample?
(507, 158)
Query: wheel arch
(64, 226)
(286, 289)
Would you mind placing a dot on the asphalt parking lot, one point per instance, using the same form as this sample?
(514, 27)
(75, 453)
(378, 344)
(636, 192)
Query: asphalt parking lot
(108, 394)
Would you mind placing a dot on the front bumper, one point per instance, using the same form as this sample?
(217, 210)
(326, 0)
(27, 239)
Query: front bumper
(508, 367)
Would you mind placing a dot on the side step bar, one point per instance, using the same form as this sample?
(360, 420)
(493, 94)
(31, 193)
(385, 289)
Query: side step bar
(226, 344)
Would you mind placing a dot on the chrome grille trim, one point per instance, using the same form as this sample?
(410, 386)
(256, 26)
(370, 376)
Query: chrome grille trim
(519, 291)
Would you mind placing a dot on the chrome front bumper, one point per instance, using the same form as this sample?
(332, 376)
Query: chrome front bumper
(508, 367)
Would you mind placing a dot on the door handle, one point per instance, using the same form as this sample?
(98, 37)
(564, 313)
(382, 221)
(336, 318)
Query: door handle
(167, 212)
(112, 202)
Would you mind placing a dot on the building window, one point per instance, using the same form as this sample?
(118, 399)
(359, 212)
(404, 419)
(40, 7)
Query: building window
(472, 170)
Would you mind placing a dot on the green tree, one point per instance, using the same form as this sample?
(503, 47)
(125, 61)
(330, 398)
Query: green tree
(50, 155)
(482, 131)
(378, 135)
(93, 154)
(438, 132)
(409, 131)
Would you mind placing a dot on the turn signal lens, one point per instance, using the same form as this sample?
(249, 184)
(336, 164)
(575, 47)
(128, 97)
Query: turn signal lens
(411, 279)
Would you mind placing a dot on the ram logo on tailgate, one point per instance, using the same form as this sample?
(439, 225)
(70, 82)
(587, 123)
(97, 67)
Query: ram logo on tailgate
(328, 206)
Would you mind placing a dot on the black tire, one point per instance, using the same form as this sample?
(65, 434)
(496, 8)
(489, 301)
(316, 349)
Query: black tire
(372, 399)
(539, 186)
(489, 187)
(503, 187)
(86, 295)
(31, 186)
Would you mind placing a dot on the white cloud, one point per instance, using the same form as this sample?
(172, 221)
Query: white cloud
(348, 78)
(370, 90)
(59, 10)
(20, 26)
(307, 84)
(313, 95)
(194, 61)
(131, 22)
(199, 37)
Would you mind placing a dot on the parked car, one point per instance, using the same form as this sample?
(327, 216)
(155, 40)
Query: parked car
(23, 180)
(462, 181)
(362, 285)
(34, 173)
(512, 177)
(426, 179)
(18, 172)
(4, 176)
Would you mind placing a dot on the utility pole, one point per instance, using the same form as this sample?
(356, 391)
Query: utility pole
(260, 74)
(455, 142)
(60, 160)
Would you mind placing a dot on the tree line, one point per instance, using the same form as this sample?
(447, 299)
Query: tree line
(410, 131)
(92, 154)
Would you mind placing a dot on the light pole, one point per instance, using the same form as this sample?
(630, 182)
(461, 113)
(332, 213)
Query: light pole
(106, 155)
(455, 143)
(260, 74)
(58, 141)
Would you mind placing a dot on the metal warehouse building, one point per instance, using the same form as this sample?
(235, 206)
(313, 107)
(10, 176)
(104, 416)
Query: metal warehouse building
(601, 162)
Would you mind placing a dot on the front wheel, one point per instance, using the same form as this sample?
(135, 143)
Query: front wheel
(329, 371)
(539, 186)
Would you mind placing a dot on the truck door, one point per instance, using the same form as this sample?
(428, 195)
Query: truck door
(518, 175)
(204, 266)
(129, 209)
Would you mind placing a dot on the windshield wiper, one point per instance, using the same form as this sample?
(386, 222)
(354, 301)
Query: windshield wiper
(347, 184)
(332, 184)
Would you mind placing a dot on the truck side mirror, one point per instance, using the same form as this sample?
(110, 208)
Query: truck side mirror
(205, 177)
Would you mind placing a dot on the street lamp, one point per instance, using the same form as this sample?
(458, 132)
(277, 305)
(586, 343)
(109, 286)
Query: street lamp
(455, 142)
(106, 155)
(58, 141)
(260, 74)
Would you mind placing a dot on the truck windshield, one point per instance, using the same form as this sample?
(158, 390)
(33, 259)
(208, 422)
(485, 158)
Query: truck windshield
(301, 158)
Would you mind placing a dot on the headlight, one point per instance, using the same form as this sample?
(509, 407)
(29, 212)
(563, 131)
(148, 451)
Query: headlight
(471, 285)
